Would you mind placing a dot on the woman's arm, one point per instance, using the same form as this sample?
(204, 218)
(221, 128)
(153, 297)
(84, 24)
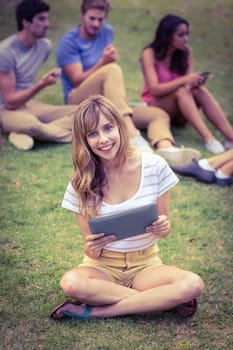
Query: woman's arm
(201, 78)
(93, 243)
(162, 227)
(150, 75)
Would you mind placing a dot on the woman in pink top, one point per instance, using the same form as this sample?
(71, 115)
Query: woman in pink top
(171, 84)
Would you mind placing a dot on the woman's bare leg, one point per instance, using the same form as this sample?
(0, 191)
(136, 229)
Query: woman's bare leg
(183, 102)
(190, 110)
(156, 289)
(227, 168)
(223, 161)
(213, 112)
(89, 285)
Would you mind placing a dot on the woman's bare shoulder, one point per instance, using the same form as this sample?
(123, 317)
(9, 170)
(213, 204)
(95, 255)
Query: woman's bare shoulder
(148, 55)
(148, 51)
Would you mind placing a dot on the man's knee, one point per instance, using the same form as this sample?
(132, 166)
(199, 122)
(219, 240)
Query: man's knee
(157, 113)
(19, 123)
(113, 68)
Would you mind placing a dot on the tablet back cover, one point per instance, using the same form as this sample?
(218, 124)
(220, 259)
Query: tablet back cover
(125, 224)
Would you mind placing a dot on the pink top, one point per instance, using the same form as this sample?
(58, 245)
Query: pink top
(164, 76)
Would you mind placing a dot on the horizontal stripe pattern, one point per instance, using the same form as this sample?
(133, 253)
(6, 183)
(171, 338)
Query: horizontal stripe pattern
(156, 179)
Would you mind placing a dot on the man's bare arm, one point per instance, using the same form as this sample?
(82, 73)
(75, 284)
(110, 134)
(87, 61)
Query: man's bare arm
(15, 99)
(75, 73)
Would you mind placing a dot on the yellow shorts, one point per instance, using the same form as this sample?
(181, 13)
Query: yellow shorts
(122, 268)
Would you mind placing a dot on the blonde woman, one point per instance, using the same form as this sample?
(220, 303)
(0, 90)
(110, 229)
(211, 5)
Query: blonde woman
(119, 277)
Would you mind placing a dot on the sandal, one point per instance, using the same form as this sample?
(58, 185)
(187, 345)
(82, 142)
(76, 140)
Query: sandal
(84, 315)
(187, 309)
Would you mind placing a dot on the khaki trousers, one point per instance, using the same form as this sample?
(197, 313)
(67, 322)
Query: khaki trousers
(41, 121)
(156, 121)
(109, 82)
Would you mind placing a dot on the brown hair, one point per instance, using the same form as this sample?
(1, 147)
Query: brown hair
(90, 174)
(95, 4)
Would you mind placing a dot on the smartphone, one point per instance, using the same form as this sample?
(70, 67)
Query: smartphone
(56, 73)
(205, 74)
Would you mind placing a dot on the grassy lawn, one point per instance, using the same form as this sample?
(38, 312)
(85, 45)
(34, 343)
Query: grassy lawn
(39, 240)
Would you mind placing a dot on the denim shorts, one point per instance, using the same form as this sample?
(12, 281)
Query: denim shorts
(122, 268)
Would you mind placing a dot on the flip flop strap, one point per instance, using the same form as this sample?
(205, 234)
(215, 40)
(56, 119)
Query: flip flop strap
(85, 315)
(87, 311)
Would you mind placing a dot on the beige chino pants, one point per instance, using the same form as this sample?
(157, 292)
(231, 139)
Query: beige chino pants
(41, 121)
(109, 82)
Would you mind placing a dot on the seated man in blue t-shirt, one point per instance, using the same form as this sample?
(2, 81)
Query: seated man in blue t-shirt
(87, 58)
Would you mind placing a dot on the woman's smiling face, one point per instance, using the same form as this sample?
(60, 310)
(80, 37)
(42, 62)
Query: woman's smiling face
(104, 140)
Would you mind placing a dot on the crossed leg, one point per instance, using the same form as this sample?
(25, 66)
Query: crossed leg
(155, 289)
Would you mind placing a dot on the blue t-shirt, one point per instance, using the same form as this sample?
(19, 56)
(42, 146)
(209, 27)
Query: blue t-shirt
(72, 48)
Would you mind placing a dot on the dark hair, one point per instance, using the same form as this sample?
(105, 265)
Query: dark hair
(27, 9)
(95, 4)
(162, 41)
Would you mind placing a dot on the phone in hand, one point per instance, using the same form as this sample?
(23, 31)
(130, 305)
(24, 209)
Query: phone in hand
(56, 73)
(205, 74)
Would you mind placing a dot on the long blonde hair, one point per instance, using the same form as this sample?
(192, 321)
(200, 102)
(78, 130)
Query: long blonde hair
(90, 175)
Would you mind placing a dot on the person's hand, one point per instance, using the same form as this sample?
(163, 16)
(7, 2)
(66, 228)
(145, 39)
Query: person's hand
(94, 243)
(160, 228)
(51, 77)
(193, 80)
(203, 77)
(109, 54)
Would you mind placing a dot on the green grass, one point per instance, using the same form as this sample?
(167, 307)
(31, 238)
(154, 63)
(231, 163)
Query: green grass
(39, 240)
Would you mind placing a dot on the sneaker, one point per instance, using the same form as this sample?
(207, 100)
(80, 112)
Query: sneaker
(222, 179)
(214, 146)
(21, 141)
(223, 182)
(194, 170)
(178, 156)
(228, 145)
(140, 144)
